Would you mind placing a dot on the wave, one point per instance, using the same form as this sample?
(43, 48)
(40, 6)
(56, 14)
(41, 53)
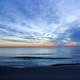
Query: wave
(21, 62)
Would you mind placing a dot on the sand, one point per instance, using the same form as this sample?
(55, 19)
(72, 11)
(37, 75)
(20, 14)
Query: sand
(54, 72)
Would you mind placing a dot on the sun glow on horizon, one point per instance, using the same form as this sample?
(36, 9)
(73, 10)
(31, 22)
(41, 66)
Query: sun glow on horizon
(39, 44)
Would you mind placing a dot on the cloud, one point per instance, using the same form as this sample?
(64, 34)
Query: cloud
(52, 20)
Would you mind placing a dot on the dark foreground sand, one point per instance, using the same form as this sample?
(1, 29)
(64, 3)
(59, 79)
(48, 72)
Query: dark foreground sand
(54, 72)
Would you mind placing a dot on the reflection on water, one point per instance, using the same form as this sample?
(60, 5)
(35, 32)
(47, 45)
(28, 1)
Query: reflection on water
(40, 51)
(11, 56)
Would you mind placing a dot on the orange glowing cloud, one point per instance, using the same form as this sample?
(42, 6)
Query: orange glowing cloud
(71, 43)
(39, 43)
(26, 44)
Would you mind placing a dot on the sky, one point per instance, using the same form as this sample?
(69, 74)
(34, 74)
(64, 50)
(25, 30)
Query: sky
(39, 20)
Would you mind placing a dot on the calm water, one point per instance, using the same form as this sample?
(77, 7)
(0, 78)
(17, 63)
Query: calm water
(38, 56)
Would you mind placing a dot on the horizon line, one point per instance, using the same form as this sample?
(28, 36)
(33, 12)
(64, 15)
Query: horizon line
(39, 43)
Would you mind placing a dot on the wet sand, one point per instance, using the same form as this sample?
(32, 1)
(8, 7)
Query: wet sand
(54, 72)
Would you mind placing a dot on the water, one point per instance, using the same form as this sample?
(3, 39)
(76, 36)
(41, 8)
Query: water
(38, 56)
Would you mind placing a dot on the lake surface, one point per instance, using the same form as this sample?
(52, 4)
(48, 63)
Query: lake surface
(38, 56)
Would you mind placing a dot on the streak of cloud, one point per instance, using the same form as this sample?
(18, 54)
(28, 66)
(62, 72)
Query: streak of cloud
(39, 21)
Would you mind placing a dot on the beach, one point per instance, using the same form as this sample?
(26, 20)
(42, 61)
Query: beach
(53, 72)
(58, 63)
